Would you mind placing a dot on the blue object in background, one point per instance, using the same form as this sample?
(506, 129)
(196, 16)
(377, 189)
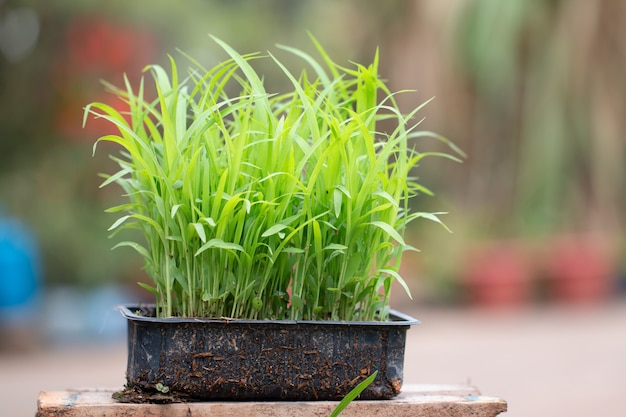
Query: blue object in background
(20, 280)
(62, 315)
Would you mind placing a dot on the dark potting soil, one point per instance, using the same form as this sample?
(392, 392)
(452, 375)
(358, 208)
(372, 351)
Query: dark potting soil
(138, 396)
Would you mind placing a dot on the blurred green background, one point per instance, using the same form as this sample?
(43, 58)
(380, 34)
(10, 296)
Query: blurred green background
(534, 91)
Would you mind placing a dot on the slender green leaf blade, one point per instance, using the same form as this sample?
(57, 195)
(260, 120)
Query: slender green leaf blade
(355, 392)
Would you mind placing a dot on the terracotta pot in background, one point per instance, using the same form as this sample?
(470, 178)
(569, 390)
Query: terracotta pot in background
(579, 270)
(498, 275)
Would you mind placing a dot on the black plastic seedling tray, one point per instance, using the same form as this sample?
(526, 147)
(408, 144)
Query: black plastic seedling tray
(236, 359)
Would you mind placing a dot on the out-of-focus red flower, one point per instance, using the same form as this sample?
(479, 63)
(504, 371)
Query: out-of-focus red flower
(97, 49)
(94, 44)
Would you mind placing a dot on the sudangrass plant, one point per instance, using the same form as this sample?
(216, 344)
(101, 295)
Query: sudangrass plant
(266, 205)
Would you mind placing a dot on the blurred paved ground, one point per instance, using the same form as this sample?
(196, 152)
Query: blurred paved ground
(554, 361)
(548, 361)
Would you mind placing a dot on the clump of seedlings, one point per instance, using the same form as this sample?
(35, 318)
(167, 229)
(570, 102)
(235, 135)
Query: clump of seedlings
(267, 205)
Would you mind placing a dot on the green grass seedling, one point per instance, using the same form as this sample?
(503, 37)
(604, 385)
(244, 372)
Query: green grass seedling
(265, 205)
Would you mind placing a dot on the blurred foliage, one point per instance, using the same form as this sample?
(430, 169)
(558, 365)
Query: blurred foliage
(548, 101)
(532, 90)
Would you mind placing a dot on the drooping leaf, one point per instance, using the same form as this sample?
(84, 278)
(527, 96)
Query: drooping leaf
(140, 249)
(393, 233)
(200, 230)
(219, 244)
(274, 230)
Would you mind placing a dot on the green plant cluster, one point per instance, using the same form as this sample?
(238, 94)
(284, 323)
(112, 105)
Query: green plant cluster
(260, 205)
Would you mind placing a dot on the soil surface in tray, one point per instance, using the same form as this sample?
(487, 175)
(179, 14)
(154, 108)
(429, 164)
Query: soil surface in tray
(138, 396)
